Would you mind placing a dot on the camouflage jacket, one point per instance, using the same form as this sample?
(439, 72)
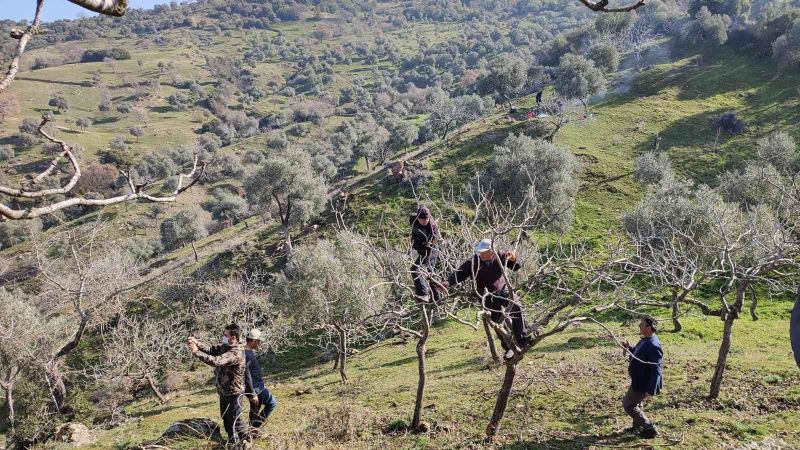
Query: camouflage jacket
(229, 366)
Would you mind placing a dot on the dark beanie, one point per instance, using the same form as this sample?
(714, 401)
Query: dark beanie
(423, 213)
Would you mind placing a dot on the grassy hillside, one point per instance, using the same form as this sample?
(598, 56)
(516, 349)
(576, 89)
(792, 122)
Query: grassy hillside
(568, 389)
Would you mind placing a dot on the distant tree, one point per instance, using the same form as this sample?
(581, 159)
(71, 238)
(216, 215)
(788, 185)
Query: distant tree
(141, 115)
(105, 105)
(182, 228)
(83, 123)
(535, 174)
(331, 287)
(729, 123)
(507, 76)
(209, 142)
(605, 56)
(59, 102)
(287, 188)
(779, 150)
(136, 132)
(29, 126)
(178, 101)
(225, 205)
(652, 168)
(253, 156)
(6, 152)
(786, 49)
(124, 108)
(118, 143)
(6, 108)
(707, 29)
(578, 78)
(731, 8)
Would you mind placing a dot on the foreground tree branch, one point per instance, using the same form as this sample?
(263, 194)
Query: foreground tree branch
(23, 37)
(136, 191)
(107, 7)
(602, 6)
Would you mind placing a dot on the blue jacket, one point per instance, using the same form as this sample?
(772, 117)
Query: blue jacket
(255, 375)
(646, 377)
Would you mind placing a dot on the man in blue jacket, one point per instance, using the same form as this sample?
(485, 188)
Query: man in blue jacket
(645, 373)
(262, 402)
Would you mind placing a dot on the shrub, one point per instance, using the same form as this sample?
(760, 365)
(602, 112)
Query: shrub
(651, 168)
(6, 152)
(729, 123)
(182, 228)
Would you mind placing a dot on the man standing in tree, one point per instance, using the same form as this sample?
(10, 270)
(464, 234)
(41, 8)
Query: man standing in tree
(424, 236)
(262, 402)
(228, 361)
(486, 269)
(645, 373)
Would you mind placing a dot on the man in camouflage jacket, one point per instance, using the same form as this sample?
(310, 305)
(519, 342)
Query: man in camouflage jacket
(228, 361)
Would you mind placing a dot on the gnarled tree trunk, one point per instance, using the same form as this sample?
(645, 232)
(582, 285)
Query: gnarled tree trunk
(155, 389)
(502, 397)
(421, 351)
(489, 338)
(725, 347)
(342, 353)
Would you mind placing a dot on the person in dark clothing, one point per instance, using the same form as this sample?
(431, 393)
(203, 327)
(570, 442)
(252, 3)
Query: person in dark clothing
(424, 237)
(228, 361)
(262, 402)
(645, 372)
(486, 271)
(539, 97)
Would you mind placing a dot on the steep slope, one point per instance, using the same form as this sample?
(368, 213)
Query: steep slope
(569, 388)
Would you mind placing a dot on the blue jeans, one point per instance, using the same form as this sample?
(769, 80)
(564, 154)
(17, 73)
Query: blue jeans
(266, 404)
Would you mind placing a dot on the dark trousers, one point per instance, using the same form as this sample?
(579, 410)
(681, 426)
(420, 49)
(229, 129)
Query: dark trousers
(230, 408)
(495, 303)
(266, 404)
(421, 272)
(632, 403)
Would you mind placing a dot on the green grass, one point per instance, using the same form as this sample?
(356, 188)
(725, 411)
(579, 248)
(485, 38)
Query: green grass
(567, 396)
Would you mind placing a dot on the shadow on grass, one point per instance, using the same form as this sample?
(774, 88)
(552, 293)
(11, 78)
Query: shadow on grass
(167, 408)
(579, 442)
(67, 83)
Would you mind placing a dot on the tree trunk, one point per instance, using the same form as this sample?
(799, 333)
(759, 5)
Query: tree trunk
(287, 241)
(366, 161)
(155, 389)
(585, 106)
(342, 354)
(56, 386)
(676, 313)
(490, 339)
(725, 347)
(502, 398)
(9, 391)
(421, 351)
(722, 357)
(194, 249)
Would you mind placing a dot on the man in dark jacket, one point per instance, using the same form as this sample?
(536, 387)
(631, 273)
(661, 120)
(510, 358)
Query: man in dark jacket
(424, 237)
(645, 373)
(486, 271)
(262, 402)
(228, 361)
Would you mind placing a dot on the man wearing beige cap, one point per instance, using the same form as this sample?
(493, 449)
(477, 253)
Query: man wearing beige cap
(262, 402)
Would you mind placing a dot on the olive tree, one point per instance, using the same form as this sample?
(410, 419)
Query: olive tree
(225, 205)
(182, 228)
(535, 176)
(331, 286)
(507, 76)
(578, 78)
(651, 168)
(287, 188)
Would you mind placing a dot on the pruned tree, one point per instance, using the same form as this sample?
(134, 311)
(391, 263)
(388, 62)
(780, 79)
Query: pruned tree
(733, 239)
(143, 347)
(25, 204)
(332, 288)
(388, 250)
(287, 188)
(82, 282)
